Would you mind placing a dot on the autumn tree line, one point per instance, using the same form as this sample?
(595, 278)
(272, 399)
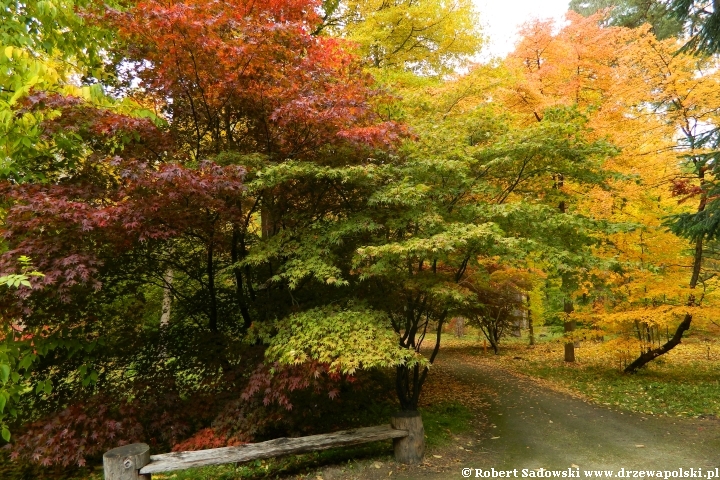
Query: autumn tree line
(215, 210)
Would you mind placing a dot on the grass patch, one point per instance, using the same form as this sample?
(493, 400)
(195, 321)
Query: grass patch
(443, 421)
(690, 390)
(683, 382)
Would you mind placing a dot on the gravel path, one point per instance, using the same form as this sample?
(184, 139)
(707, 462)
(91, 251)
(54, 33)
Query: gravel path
(536, 427)
(541, 428)
(524, 424)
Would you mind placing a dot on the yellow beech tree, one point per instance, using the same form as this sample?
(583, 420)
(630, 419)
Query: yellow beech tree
(573, 67)
(655, 106)
(667, 154)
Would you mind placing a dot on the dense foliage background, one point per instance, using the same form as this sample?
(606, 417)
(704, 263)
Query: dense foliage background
(216, 213)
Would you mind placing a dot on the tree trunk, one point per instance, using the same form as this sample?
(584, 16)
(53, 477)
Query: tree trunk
(459, 327)
(492, 336)
(167, 298)
(654, 353)
(568, 327)
(213, 312)
(409, 381)
(237, 250)
(495, 346)
(406, 384)
(267, 228)
(409, 450)
(531, 331)
(569, 347)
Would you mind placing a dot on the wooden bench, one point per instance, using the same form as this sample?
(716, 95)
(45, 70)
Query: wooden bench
(133, 462)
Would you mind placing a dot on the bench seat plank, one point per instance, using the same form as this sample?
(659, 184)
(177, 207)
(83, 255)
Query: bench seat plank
(168, 462)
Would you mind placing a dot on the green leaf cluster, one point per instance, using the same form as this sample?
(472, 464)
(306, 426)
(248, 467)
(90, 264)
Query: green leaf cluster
(347, 340)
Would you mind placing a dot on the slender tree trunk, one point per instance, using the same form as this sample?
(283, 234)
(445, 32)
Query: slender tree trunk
(213, 313)
(651, 355)
(409, 380)
(459, 327)
(492, 336)
(237, 251)
(167, 298)
(531, 330)
(168, 279)
(559, 183)
(569, 327)
(267, 226)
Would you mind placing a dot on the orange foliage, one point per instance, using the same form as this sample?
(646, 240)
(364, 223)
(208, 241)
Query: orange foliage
(653, 104)
(249, 76)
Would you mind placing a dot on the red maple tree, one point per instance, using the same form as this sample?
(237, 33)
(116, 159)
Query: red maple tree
(233, 79)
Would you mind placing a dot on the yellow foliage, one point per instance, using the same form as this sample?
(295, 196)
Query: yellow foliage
(652, 103)
(426, 36)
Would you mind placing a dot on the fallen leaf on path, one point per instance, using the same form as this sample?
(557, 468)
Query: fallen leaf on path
(494, 438)
(551, 421)
(377, 465)
(437, 456)
(640, 446)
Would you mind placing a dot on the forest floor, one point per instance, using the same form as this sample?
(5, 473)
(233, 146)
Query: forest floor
(524, 423)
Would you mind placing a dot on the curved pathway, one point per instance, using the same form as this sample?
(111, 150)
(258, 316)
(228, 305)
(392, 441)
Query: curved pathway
(530, 426)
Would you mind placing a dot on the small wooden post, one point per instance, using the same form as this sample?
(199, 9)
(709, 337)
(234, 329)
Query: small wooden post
(124, 463)
(409, 450)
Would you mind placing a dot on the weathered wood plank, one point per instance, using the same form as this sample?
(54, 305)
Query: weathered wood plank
(274, 448)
